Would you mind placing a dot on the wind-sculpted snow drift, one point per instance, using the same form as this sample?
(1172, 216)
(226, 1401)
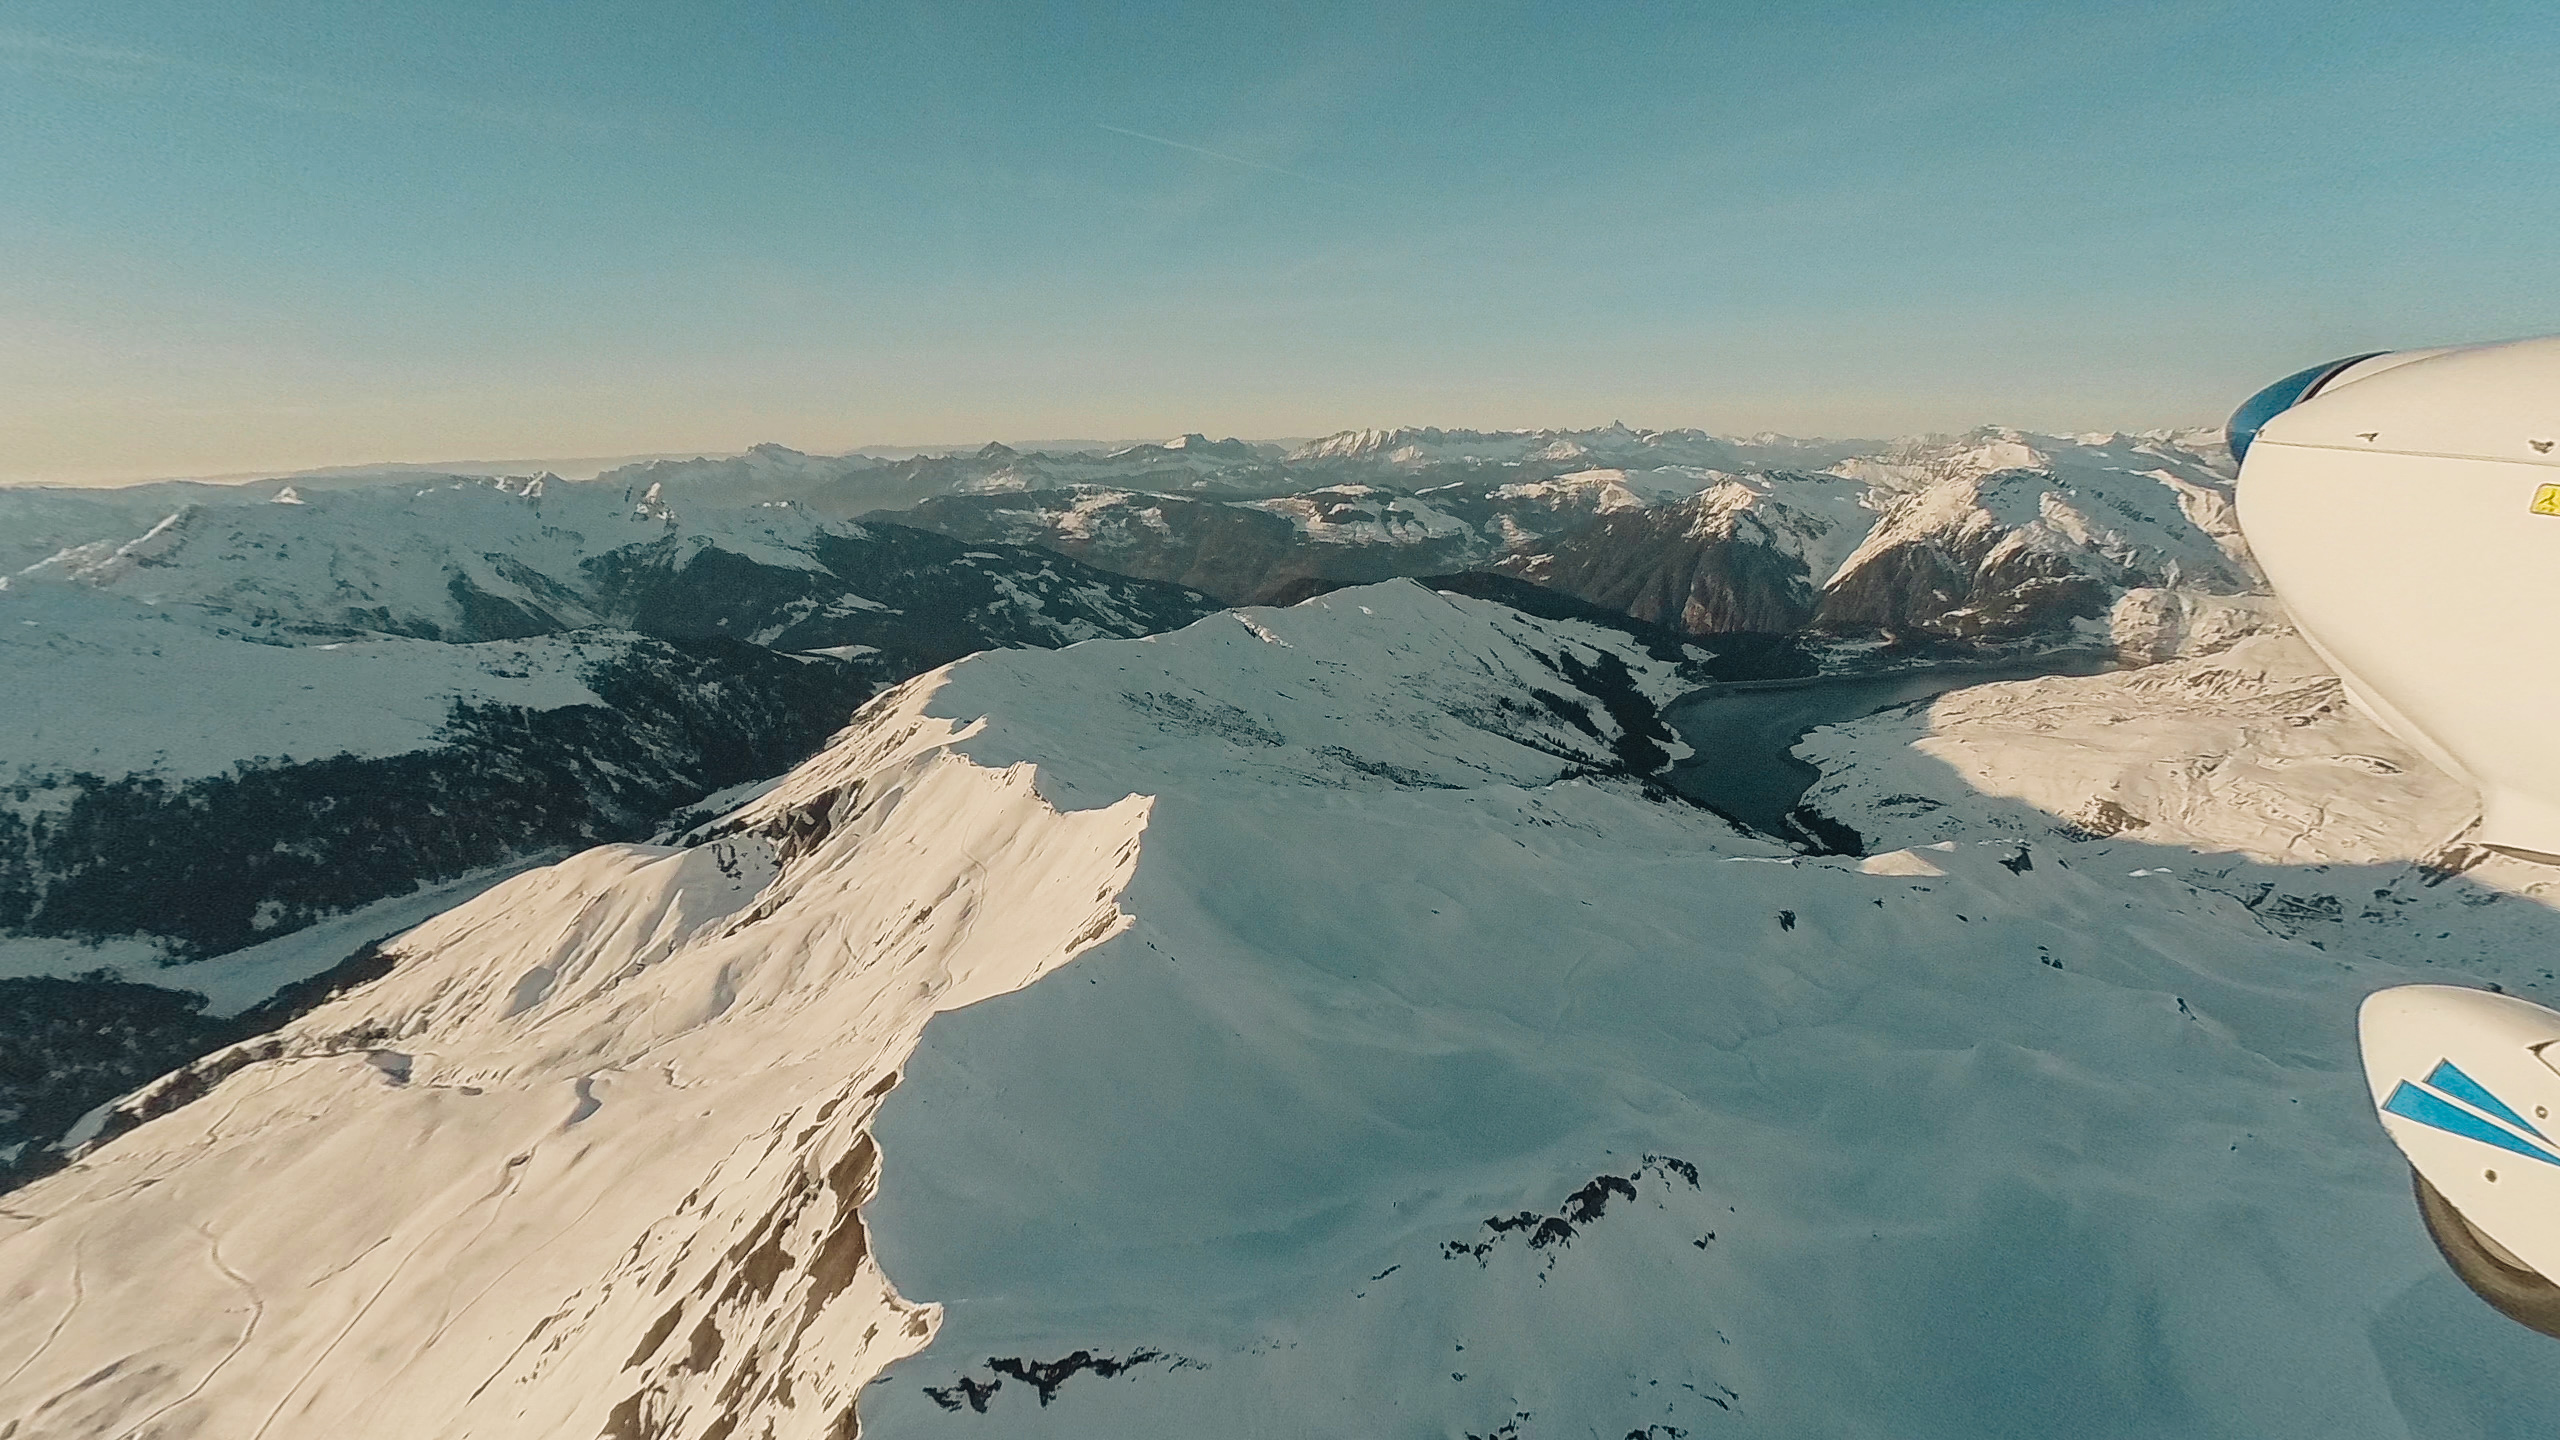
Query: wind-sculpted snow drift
(1419, 1070)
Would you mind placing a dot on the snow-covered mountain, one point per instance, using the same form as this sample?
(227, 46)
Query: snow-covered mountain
(1312, 1022)
(1992, 536)
(206, 706)
(499, 560)
(395, 684)
(232, 721)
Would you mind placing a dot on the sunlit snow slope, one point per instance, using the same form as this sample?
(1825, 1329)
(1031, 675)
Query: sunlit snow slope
(1419, 1071)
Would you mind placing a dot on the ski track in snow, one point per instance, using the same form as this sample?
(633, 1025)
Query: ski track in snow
(1411, 1075)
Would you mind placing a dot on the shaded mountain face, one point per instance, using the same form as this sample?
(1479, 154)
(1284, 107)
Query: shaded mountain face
(1314, 1012)
(1243, 553)
(203, 865)
(1738, 555)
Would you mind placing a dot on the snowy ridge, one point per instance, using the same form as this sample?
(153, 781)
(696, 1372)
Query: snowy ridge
(1307, 1014)
(247, 726)
(647, 1074)
(628, 1097)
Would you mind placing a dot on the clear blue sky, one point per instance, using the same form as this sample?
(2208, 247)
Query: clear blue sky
(276, 234)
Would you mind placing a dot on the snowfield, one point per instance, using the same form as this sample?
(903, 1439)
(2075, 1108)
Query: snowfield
(2252, 749)
(1308, 1023)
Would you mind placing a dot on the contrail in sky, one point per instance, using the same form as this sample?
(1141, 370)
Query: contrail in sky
(126, 71)
(1219, 155)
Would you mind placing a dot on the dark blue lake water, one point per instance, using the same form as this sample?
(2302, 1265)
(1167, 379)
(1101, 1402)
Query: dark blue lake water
(1743, 733)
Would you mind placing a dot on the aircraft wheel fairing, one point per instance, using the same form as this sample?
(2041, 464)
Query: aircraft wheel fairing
(2516, 1290)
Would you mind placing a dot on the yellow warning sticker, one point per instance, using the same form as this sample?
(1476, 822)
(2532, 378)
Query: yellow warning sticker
(2546, 501)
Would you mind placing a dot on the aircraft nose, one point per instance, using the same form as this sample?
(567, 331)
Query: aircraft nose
(2267, 404)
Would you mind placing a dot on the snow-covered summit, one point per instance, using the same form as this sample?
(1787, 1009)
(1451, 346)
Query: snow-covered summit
(1191, 446)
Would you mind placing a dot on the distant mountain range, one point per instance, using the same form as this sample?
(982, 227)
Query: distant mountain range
(1994, 536)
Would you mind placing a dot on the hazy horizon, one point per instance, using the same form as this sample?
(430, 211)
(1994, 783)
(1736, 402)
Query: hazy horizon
(586, 467)
(269, 237)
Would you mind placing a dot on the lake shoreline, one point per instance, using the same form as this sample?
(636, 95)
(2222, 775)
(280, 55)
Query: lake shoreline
(1742, 734)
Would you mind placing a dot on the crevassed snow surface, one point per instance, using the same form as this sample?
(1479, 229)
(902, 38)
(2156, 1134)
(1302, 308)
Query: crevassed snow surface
(1412, 1076)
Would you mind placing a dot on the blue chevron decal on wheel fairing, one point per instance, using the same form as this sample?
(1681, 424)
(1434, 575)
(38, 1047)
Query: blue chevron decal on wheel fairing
(2434, 1111)
(2450, 1079)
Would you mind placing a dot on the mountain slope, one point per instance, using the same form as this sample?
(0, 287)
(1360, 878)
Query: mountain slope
(235, 720)
(631, 1006)
(1328, 1025)
(1742, 554)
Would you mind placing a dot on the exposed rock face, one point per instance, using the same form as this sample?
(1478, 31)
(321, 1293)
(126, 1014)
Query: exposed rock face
(1972, 559)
